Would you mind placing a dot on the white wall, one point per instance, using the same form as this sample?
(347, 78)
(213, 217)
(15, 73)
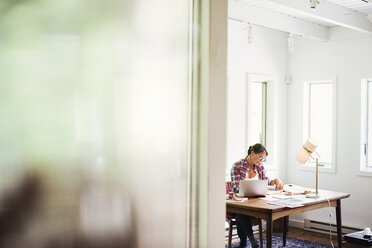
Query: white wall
(346, 55)
(265, 55)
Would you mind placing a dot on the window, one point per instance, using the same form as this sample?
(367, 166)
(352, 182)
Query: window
(366, 126)
(250, 120)
(320, 120)
(257, 102)
(260, 114)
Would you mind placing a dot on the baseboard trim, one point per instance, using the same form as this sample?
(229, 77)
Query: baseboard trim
(296, 223)
(320, 227)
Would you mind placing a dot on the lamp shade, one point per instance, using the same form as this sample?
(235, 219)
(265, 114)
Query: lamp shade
(305, 152)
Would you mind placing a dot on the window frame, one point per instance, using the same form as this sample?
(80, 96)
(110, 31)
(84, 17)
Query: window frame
(263, 113)
(306, 119)
(364, 169)
(269, 80)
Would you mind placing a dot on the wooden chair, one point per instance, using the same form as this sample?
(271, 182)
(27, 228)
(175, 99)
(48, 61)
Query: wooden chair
(255, 221)
(231, 221)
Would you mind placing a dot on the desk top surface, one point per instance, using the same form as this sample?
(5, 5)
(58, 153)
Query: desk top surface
(263, 203)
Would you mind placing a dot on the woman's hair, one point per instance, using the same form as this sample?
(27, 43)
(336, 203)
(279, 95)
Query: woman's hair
(257, 148)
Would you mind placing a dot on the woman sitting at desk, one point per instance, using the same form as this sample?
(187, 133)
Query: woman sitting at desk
(250, 167)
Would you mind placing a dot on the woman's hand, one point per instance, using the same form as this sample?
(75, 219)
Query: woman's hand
(278, 184)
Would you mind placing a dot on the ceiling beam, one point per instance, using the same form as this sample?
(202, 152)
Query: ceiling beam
(274, 20)
(329, 12)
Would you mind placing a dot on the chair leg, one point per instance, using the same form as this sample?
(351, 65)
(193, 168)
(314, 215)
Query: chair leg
(260, 230)
(230, 234)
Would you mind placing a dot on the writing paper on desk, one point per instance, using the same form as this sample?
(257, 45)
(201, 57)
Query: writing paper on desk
(281, 196)
(295, 189)
(273, 192)
(289, 202)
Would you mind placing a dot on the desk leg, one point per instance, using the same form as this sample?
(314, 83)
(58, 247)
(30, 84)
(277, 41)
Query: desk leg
(339, 223)
(269, 231)
(285, 229)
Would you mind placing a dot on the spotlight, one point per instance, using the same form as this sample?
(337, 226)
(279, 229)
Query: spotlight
(249, 32)
(290, 43)
(369, 17)
(313, 4)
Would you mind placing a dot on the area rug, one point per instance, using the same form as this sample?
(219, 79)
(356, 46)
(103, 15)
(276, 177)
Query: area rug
(291, 243)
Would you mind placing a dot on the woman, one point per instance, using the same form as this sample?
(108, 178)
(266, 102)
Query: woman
(250, 167)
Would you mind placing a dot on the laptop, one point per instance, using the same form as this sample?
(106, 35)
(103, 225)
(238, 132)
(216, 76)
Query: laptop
(252, 188)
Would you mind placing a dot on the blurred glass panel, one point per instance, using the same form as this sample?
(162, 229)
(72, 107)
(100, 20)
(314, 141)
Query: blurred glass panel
(321, 105)
(257, 112)
(94, 104)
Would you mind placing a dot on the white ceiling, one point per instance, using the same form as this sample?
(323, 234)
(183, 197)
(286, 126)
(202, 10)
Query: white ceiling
(357, 5)
(296, 16)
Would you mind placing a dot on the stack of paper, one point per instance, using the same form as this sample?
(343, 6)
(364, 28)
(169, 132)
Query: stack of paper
(294, 189)
(290, 202)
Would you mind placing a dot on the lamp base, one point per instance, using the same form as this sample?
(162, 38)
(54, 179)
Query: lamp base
(312, 195)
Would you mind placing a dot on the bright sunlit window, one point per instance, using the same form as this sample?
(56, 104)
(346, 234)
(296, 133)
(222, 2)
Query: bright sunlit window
(366, 126)
(260, 114)
(257, 103)
(319, 120)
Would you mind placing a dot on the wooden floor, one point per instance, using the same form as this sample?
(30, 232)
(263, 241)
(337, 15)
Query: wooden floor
(317, 237)
(313, 237)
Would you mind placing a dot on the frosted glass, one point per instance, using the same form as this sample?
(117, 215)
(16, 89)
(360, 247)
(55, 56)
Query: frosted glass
(321, 106)
(94, 104)
(255, 114)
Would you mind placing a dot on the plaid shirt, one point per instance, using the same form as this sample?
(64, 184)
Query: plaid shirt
(239, 172)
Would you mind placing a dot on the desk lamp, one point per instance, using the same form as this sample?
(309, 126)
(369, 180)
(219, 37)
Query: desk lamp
(303, 155)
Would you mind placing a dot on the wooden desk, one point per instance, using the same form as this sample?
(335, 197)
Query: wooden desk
(259, 207)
